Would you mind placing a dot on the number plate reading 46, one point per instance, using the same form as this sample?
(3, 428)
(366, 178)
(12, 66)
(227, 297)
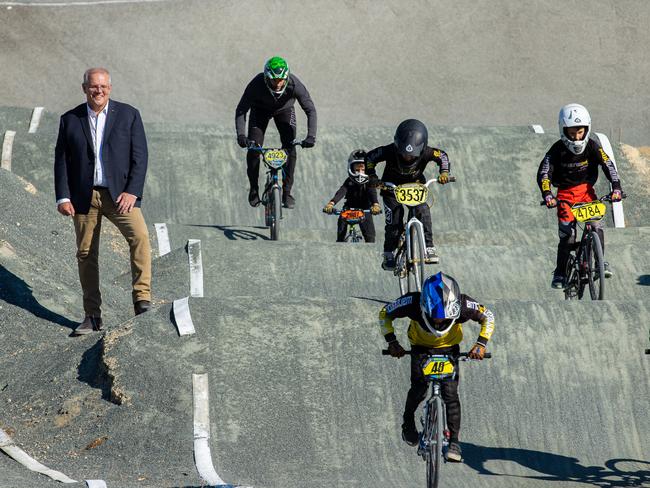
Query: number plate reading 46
(275, 157)
(588, 211)
(438, 367)
(411, 194)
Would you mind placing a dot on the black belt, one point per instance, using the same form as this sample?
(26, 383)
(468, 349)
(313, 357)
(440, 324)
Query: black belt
(100, 188)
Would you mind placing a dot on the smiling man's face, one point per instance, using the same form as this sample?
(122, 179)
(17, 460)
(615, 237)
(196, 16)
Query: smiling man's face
(97, 90)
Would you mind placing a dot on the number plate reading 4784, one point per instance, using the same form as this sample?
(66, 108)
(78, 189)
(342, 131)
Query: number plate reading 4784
(588, 211)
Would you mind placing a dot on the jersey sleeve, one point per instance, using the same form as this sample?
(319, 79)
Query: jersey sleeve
(373, 157)
(545, 175)
(372, 194)
(471, 309)
(340, 193)
(402, 307)
(242, 109)
(306, 103)
(441, 158)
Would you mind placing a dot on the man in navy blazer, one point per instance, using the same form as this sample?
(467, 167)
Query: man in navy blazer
(100, 165)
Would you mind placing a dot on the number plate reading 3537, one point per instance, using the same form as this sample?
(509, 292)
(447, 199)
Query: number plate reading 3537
(438, 367)
(411, 194)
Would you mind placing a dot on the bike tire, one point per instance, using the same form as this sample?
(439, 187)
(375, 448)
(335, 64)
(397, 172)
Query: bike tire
(596, 268)
(276, 213)
(434, 455)
(401, 271)
(572, 283)
(416, 259)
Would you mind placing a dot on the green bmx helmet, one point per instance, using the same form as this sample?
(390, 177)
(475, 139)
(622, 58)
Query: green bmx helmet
(276, 74)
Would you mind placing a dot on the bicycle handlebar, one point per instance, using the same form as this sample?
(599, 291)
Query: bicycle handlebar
(488, 355)
(254, 146)
(604, 198)
(387, 185)
(336, 211)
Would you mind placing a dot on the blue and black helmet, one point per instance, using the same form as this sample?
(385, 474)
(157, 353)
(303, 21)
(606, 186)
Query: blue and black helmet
(440, 303)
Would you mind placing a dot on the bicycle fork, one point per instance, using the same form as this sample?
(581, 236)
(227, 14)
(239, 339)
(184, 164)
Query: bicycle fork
(427, 441)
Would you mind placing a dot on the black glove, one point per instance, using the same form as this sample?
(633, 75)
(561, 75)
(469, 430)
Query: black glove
(395, 349)
(242, 140)
(308, 141)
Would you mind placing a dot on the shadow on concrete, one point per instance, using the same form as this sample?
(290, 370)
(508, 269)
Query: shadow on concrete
(643, 280)
(15, 291)
(383, 302)
(237, 234)
(91, 370)
(554, 467)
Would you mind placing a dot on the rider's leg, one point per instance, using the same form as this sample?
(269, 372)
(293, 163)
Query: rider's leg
(341, 230)
(368, 229)
(566, 233)
(417, 391)
(285, 121)
(257, 124)
(394, 213)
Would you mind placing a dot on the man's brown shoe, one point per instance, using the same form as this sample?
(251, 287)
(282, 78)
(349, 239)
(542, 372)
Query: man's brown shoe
(141, 306)
(90, 324)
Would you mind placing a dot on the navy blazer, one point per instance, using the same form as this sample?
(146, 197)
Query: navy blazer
(124, 154)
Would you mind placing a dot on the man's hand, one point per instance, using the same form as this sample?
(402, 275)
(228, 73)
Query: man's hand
(242, 140)
(329, 208)
(308, 141)
(66, 209)
(477, 351)
(375, 209)
(443, 178)
(125, 202)
(395, 349)
(616, 196)
(550, 200)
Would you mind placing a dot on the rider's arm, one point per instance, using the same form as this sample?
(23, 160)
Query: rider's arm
(306, 103)
(374, 156)
(481, 314)
(608, 166)
(243, 107)
(441, 159)
(545, 175)
(340, 193)
(402, 307)
(372, 194)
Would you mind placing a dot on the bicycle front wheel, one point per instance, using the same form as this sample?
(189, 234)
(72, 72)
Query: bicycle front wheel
(276, 212)
(416, 258)
(596, 268)
(434, 455)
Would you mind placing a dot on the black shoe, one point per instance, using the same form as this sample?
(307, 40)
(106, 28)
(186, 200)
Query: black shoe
(454, 453)
(389, 262)
(410, 434)
(141, 306)
(254, 197)
(288, 201)
(608, 272)
(90, 324)
(558, 281)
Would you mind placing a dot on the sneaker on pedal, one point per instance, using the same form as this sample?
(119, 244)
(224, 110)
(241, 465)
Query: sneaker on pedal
(608, 273)
(558, 281)
(431, 256)
(254, 197)
(454, 453)
(389, 261)
(288, 201)
(410, 434)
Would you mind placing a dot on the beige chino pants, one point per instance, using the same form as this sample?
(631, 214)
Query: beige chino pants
(88, 229)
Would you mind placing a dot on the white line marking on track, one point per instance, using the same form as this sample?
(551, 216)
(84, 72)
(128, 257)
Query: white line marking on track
(75, 4)
(163, 239)
(196, 267)
(7, 148)
(617, 207)
(13, 451)
(36, 119)
(202, 455)
(182, 316)
(538, 129)
(96, 483)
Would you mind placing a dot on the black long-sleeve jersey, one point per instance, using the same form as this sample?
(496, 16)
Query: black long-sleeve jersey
(409, 306)
(356, 195)
(563, 169)
(258, 96)
(392, 173)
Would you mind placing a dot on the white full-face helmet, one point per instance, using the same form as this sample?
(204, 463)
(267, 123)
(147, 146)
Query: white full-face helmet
(574, 115)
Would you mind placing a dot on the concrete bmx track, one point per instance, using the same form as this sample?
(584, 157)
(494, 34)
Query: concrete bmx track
(260, 362)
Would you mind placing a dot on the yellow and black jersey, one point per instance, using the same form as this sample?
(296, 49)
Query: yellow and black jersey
(409, 306)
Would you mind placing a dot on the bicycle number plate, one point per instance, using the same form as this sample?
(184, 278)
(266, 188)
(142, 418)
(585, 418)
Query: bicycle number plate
(275, 158)
(587, 212)
(411, 194)
(438, 367)
(352, 215)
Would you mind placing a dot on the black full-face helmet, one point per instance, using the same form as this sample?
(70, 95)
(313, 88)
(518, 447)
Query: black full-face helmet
(411, 138)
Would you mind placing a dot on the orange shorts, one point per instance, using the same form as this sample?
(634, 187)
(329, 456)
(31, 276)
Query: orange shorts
(582, 193)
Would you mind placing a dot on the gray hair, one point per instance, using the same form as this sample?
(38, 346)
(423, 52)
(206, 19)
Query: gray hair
(89, 71)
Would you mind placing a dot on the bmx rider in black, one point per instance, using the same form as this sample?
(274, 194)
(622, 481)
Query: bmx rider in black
(406, 158)
(271, 95)
(358, 194)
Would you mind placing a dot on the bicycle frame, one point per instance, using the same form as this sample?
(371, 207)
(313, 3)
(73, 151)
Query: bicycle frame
(352, 234)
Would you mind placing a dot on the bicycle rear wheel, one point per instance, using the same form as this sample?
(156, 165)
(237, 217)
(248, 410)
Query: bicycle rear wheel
(434, 454)
(276, 212)
(596, 268)
(416, 259)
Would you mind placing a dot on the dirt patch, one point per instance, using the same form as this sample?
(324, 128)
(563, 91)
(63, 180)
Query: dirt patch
(6, 250)
(639, 158)
(118, 394)
(71, 408)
